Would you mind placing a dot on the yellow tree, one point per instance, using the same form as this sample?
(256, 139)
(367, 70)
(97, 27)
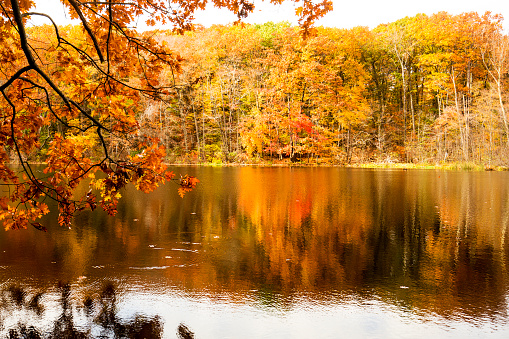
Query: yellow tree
(453, 67)
(495, 57)
(338, 86)
(314, 90)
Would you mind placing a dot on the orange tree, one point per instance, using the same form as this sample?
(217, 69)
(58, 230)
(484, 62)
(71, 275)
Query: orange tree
(71, 95)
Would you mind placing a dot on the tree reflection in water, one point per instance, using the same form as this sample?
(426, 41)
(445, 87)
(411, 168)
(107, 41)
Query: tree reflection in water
(99, 310)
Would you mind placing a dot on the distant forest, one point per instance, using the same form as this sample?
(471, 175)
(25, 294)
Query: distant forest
(425, 89)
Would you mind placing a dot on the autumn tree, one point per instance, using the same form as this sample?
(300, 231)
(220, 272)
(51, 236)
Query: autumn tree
(89, 84)
(495, 56)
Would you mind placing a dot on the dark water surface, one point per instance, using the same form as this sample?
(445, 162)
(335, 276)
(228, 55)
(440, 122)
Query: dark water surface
(275, 253)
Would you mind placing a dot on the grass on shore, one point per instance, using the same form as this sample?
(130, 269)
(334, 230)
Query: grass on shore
(456, 166)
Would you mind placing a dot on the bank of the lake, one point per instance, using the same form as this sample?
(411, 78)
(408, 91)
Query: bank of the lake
(455, 166)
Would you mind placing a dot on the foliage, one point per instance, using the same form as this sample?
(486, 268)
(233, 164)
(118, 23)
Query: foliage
(73, 97)
(425, 89)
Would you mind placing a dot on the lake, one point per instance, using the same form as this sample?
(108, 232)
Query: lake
(259, 252)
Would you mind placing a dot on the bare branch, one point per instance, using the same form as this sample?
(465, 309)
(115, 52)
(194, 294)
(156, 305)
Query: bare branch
(15, 76)
(46, 16)
(87, 28)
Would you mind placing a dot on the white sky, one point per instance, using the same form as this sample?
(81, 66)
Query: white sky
(346, 13)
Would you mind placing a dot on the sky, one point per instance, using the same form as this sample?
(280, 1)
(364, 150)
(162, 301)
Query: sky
(346, 13)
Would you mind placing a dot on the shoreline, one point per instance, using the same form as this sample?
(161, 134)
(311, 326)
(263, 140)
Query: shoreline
(370, 165)
(463, 166)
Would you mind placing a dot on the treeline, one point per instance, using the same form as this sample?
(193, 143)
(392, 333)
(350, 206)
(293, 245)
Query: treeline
(426, 89)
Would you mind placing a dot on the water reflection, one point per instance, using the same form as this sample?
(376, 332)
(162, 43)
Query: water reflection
(428, 246)
(98, 316)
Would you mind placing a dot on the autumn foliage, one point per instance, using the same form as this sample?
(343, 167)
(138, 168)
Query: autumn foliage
(72, 98)
(426, 89)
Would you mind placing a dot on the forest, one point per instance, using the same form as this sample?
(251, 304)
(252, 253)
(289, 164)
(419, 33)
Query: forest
(425, 89)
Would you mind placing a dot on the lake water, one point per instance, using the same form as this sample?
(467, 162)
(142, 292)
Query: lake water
(273, 253)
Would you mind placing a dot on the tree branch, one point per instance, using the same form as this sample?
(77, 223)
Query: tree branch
(46, 16)
(87, 28)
